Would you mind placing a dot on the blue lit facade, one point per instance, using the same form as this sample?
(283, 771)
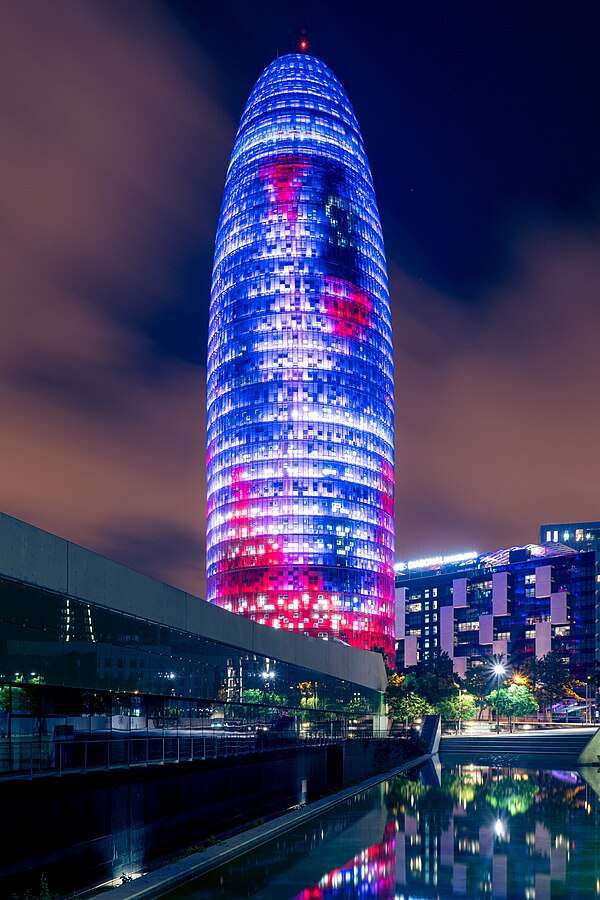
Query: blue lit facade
(300, 459)
(517, 603)
(580, 536)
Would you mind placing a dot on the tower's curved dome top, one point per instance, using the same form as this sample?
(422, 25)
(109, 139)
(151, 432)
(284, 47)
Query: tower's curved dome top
(299, 87)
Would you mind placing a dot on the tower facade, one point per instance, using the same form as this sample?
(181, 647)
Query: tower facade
(300, 417)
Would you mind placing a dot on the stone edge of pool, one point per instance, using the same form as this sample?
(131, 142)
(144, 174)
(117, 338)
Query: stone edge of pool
(175, 874)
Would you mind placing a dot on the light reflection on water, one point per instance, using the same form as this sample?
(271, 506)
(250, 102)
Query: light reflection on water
(462, 830)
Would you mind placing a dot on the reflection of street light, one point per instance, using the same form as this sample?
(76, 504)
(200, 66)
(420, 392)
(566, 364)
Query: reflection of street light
(267, 677)
(499, 670)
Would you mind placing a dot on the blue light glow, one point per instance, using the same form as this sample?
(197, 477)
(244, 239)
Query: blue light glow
(300, 531)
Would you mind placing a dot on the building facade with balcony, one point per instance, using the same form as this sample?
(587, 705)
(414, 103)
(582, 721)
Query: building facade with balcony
(516, 603)
(580, 536)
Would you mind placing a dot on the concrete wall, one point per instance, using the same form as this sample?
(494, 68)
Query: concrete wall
(42, 559)
(80, 830)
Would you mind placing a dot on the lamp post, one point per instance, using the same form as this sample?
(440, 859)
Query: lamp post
(499, 671)
(587, 717)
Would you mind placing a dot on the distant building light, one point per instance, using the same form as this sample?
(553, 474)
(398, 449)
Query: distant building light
(433, 561)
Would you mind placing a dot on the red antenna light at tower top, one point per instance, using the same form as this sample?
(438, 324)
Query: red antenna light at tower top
(303, 42)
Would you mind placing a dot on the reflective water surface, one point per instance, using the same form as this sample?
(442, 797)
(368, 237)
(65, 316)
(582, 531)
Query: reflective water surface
(434, 832)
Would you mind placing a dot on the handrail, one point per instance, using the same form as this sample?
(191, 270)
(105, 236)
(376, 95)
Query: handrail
(52, 756)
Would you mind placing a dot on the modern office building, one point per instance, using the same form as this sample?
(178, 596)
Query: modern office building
(134, 718)
(516, 603)
(580, 536)
(300, 459)
(90, 637)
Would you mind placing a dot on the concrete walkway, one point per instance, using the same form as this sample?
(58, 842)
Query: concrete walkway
(170, 876)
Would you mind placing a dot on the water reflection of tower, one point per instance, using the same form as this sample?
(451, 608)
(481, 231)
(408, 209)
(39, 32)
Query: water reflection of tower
(371, 873)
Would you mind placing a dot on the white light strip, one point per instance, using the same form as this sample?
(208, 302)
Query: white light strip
(430, 561)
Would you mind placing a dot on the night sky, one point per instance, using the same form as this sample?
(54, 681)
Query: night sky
(481, 123)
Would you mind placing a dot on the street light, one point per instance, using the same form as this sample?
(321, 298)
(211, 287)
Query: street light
(587, 717)
(499, 670)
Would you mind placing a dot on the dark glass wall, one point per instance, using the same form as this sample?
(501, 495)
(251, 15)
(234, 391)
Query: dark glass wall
(56, 640)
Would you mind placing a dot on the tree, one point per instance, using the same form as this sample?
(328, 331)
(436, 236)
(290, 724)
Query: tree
(513, 702)
(434, 678)
(256, 695)
(455, 708)
(477, 682)
(551, 679)
(404, 702)
(512, 797)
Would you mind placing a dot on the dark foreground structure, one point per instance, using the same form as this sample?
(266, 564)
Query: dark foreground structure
(136, 719)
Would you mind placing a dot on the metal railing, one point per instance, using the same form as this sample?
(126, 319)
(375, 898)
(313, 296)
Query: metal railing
(29, 758)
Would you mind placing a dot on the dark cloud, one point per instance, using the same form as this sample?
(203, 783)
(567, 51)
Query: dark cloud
(115, 133)
(167, 550)
(496, 426)
(111, 150)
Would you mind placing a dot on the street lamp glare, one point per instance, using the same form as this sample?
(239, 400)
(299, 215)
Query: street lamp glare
(499, 669)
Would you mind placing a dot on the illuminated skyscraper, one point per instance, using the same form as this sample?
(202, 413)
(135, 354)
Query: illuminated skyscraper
(300, 455)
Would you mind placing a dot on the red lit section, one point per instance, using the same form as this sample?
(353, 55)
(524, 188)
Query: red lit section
(348, 306)
(284, 180)
(369, 874)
